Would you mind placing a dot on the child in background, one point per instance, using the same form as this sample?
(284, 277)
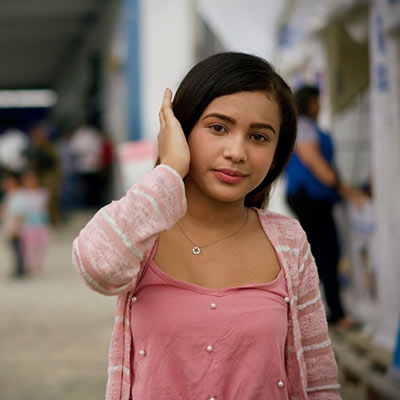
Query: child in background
(35, 229)
(12, 219)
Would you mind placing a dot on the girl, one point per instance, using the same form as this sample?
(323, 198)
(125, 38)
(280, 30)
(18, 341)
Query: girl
(35, 230)
(12, 210)
(217, 299)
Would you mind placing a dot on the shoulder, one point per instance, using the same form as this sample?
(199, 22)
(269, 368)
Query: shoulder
(306, 130)
(282, 229)
(306, 122)
(278, 220)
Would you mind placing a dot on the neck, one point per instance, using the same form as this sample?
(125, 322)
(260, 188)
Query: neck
(203, 211)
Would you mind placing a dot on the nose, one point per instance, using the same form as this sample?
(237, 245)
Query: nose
(235, 149)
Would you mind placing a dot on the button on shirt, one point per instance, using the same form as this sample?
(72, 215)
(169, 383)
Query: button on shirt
(191, 342)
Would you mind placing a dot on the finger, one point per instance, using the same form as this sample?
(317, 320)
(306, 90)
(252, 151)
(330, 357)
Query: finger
(166, 108)
(166, 102)
(162, 119)
(168, 95)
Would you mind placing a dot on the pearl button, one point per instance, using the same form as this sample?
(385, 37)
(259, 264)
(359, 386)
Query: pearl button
(142, 353)
(287, 299)
(281, 384)
(134, 299)
(213, 306)
(212, 398)
(209, 349)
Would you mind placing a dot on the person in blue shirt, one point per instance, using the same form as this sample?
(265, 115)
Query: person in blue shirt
(313, 187)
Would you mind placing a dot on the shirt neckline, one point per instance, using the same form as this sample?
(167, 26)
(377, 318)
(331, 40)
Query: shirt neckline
(216, 292)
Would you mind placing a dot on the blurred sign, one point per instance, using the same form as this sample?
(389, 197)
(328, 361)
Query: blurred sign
(363, 250)
(27, 98)
(136, 158)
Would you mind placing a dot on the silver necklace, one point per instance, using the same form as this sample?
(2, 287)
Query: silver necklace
(196, 250)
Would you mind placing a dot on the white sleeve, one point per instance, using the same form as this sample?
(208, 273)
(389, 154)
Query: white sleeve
(306, 132)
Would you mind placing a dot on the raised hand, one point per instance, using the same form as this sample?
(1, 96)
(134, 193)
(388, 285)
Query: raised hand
(172, 145)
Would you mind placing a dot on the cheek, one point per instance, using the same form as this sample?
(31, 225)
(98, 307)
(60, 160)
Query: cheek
(198, 152)
(195, 148)
(262, 161)
(201, 147)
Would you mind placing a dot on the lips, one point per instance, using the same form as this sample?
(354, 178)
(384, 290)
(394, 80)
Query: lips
(230, 172)
(229, 176)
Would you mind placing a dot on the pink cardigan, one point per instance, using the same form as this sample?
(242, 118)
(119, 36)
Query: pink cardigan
(110, 255)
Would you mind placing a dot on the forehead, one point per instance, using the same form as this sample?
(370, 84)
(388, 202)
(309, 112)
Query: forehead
(256, 106)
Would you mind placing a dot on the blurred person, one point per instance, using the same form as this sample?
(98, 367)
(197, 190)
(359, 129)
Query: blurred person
(12, 211)
(106, 172)
(35, 229)
(87, 150)
(13, 144)
(42, 157)
(313, 188)
(68, 179)
(217, 298)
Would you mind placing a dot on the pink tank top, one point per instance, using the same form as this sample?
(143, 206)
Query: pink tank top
(191, 342)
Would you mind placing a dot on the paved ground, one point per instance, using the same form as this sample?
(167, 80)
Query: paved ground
(54, 331)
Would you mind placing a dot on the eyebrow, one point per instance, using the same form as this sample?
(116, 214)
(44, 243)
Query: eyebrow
(259, 125)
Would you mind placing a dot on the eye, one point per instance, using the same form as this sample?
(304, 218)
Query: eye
(258, 137)
(216, 128)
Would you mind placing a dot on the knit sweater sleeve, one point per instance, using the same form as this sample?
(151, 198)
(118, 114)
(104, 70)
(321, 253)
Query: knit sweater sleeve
(321, 368)
(111, 249)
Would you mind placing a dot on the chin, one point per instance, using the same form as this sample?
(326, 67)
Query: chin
(227, 196)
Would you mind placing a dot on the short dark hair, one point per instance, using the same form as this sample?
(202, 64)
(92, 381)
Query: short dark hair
(304, 95)
(10, 174)
(228, 73)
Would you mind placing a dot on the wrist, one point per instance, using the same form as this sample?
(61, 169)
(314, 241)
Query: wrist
(180, 168)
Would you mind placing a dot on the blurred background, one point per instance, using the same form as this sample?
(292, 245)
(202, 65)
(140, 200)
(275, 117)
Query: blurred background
(81, 82)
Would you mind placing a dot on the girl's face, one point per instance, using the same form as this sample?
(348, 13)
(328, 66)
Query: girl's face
(232, 145)
(313, 107)
(30, 180)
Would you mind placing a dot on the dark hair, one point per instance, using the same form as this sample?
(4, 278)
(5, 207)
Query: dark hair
(9, 174)
(227, 73)
(303, 96)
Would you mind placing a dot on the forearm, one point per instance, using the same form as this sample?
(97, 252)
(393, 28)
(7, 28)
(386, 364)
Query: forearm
(323, 171)
(114, 245)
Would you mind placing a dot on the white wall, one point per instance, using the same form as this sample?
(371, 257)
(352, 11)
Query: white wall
(385, 125)
(166, 49)
(167, 53)
(352, 137)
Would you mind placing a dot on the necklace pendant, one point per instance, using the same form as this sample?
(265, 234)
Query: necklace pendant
(196, 250)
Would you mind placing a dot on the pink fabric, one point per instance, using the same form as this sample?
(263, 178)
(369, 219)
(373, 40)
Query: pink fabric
(34, 243)
(173, 322)
(156, 204)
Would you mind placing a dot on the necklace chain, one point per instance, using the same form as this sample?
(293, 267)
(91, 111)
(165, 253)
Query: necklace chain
(197, 249)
